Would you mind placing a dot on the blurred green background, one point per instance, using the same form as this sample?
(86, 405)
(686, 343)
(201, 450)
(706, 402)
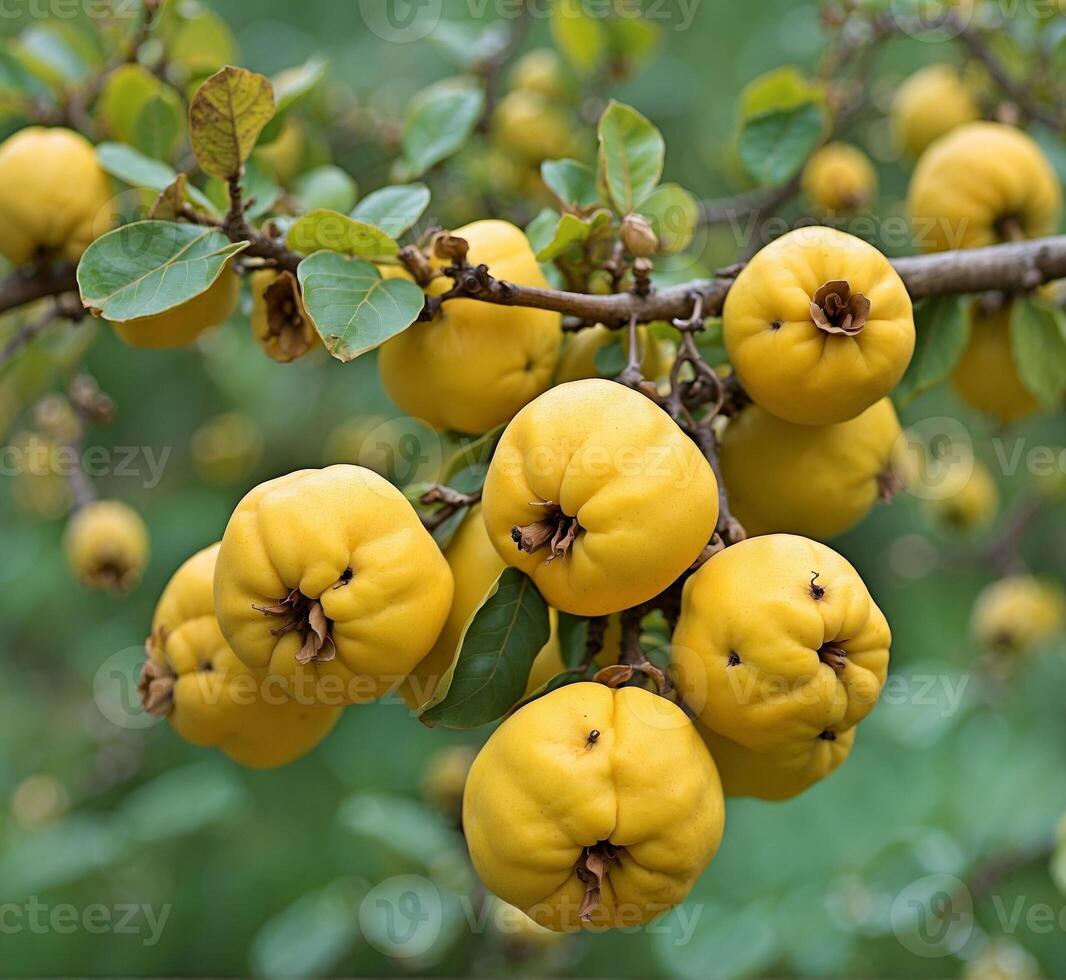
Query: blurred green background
(302, 871)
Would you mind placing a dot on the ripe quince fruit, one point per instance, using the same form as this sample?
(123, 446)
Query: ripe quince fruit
(986, 377)
(226, 448)
(107, 546)
(444, 780)
(1018, 613)
(476, 364)
(540, 71)
(535, 128)
(327, 579)
(974, 502)
(818, 327)
(182, 325)
(577, 360)
(813, 480)
(932, 102)
(839, 179)
(982, 184)
(598, 496)
(779, 775)
(280, 323)
(54, 195)
(194, 680)
(593, 808)
(779, 644)
(475, 565)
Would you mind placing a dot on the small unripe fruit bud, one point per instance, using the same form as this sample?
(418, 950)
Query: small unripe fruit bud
(600, 282)
(638, 236)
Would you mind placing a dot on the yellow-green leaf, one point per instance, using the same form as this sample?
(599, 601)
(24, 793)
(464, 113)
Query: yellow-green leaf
(226, 117)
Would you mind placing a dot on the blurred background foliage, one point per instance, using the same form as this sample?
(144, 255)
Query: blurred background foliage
(288, 873)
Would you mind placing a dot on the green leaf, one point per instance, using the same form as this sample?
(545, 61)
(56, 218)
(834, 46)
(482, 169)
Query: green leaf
(541, 230)
(59, 855)
(134, 168)
(55, 52)
(326, 187)
(400, 824)
(496, 652)
(126, 90)
(226, 117)
(394, 209)
(148, 267)
(633, 39)
(354, 310)
(776, 143)
(611, 359)
(336, 232)
(159, 126)
(473, 452)
(310, 937)
(468, 44)
(439, 121)
(942, 329)
(201, 43)
(632, 154)
(1038, 343)
(291, 87)
(573, 639)
(581, 38)
(783, 88)
(573, 183)
(294, 84)
(674, 214)
(570, 231)
(181, 802)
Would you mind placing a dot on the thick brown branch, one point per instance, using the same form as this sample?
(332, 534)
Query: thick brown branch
(1013, 267)
(28, 285)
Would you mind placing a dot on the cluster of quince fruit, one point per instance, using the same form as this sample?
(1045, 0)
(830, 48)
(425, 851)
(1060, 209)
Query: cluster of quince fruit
(591, 806)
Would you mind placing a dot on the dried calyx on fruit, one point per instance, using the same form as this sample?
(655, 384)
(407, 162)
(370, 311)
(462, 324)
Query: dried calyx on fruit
(556, 531)
(306, 616)
(835, 309)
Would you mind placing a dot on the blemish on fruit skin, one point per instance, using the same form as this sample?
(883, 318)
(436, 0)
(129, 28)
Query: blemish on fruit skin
(345, 578)
(734, 658)
(776, 325)
(828, 736)
(593, 738)
(817, 592)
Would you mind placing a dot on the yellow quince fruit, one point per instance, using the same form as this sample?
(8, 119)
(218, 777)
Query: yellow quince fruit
(778, 775)
(193, 679)
(986, 377)
(444, 780)
(533, 127)
(598, 496)
(974, 500)
(839, 179)
(226, 448)
(818, 327)
(475, 565)
(930, 103)
(982, 184)
(1018, 613)
(327, 579)
(54, 195)
(476, 364)
(814, 480)
(280, 323)
(182, 325)
(107, 546)
(541, 71)
(577, 360)
(779, 644)
(593, 808)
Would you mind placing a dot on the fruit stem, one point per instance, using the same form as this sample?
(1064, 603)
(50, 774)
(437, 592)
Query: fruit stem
(557, 531)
